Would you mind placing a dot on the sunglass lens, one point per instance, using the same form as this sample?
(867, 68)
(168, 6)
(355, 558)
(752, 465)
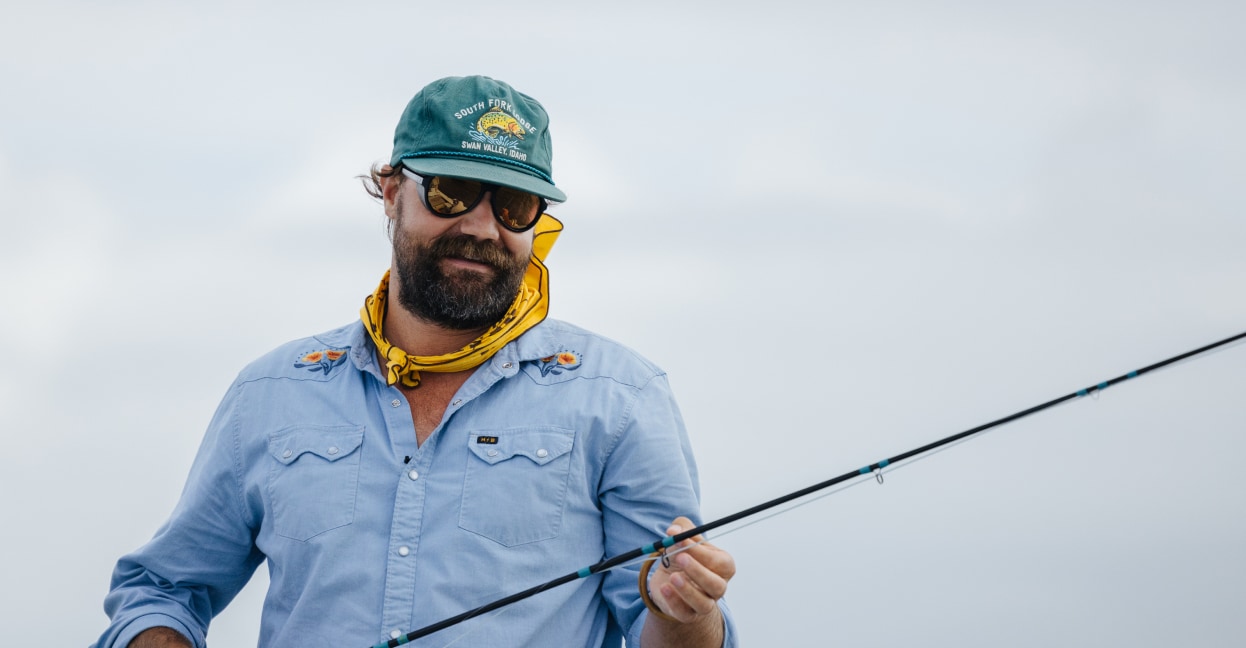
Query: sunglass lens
(453, 196)
(516, 209)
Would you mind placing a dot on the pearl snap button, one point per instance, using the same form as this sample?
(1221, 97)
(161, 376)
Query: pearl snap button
(404, 551)
(394, 634)
(542, 453)
(287, 454)
(395, 403)
(458, 401)
(493, 453)
(507, 365)
(332, 450)
(413, 475)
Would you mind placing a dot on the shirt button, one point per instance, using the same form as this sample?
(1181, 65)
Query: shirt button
(413, 475)
(287, 454)
(332, 450)
(404, 550)
(542, 453)
(507, 365)
(457, 401)
(394, 634)
(395, 403)
(493, 453)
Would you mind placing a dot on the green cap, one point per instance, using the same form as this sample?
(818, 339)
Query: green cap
(480, 129)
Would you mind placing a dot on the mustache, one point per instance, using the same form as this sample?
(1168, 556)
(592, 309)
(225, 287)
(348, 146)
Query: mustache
(466, 247)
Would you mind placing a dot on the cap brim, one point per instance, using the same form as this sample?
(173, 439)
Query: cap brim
(485, 172)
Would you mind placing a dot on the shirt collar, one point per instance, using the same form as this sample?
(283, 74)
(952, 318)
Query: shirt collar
(536, 343)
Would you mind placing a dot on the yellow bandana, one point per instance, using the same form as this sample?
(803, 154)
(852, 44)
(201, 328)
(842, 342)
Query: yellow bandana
(529, 308)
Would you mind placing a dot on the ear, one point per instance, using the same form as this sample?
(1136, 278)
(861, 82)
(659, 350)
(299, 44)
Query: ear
(390, 184)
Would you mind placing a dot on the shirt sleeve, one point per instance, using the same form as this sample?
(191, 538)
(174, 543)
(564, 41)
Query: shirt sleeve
(200, 558)
(650, 478)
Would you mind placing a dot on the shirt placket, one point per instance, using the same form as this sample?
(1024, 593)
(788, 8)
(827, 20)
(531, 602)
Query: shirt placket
(404, 538)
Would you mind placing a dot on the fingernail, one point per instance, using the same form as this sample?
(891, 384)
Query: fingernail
(677, 580)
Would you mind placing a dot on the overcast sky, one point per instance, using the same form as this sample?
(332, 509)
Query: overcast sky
(844, 229)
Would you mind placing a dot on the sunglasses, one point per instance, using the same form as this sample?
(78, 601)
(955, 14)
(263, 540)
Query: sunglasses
(517, 211)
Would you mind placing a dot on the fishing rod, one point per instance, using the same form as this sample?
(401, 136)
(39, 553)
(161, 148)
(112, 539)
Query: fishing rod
(669, 541)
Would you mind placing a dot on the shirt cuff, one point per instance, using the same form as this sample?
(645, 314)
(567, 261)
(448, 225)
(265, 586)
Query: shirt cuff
(729, 636)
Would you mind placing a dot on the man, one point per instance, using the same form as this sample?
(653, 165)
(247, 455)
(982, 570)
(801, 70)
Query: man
(450, 448)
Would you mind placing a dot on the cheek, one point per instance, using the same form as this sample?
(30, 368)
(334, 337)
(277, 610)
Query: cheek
(519, 245)
(416, 225)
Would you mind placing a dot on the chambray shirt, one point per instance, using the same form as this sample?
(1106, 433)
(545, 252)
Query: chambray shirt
(561, 450)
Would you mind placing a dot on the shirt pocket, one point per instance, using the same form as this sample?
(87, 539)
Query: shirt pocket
(515, 484)
(312, 485)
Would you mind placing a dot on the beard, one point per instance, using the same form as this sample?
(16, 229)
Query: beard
(457, 299)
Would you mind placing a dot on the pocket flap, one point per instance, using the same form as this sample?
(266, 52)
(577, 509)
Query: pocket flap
(539, 445)
(327, 442)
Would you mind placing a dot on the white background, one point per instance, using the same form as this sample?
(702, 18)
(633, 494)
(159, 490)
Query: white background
(845, 229)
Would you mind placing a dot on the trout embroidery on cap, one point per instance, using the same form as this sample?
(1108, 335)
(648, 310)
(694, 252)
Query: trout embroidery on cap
(498, 132)
(495, 122)
(559, 362)
(324, 360)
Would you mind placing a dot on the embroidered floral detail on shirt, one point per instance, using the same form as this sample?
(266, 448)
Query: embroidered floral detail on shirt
(559, 362)
(324, 360)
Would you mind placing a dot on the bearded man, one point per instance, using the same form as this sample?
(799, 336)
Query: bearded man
(451, 447)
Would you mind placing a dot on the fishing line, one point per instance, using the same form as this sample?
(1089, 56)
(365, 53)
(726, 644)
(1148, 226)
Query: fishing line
(812, 499)
(471, 630)
(875, 468)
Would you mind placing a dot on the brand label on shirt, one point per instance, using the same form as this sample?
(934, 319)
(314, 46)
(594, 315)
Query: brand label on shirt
(489, 440)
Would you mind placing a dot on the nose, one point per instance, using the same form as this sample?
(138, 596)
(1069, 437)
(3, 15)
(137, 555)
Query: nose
(479, 222)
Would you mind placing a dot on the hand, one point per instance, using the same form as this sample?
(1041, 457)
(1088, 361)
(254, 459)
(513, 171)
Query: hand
(159, 637)
(690, 588)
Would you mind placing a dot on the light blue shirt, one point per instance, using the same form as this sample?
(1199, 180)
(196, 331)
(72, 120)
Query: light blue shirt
(563, 449)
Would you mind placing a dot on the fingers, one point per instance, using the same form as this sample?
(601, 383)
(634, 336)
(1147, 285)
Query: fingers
(692, 590)
(697, 577)
(717, 561)
(702, 576)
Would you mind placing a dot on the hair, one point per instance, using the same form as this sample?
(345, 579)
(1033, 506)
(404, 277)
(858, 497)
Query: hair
(372, 181)
(372, 184)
